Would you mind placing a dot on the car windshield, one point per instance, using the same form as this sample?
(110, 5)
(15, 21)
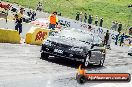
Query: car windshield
(76, 35)
(96, 39)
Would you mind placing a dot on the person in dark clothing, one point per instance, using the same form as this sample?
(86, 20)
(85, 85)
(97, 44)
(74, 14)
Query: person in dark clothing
(122, 39)
(33, 15)
(19, 20)
(14, 9)
(85, 17)
(90, 19)
(59, 14)
(39, 7)
(119, 27)
(77, 16)
(106, 38)
(117, 38)
(101, 22)
(29, 13)
(96, 20)
(130, 41)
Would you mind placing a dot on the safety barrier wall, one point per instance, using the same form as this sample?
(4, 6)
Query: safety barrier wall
(9, 36)
(35, 36)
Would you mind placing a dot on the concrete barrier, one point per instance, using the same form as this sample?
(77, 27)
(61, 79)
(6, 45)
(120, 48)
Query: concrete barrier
(35, 36)
(9, 36)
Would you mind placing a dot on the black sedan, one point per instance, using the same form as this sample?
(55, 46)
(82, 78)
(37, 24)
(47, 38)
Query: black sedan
(75, 44)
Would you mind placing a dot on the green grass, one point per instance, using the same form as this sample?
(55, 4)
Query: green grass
(110, 10)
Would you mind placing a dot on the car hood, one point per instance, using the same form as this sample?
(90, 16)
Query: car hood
(68, 41)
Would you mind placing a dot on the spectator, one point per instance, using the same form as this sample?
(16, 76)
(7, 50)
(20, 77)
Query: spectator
(113, 25)
(130, 42)
(77, 16)
(13, 9)
(29, 13)
(18, 20)
(81, 16)
(117, 38)
(33, 14)
(101, 22)
(89, 27)
(116, 25)
(59, 14)
(122, 39)
(90, 19)
(120, 27)
(53, 20)
(106, 38)
(96, 20)
(130, 31)
(39, 7)
(85, 17)
(109, 42)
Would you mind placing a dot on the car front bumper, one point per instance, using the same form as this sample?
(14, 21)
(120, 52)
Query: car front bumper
(74, 57)
(130, 54)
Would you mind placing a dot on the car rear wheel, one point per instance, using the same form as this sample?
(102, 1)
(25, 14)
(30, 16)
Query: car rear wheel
(44, 55)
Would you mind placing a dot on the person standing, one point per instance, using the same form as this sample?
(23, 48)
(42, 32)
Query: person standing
(18, 20)
(122, 39)
(96, 20)
(117, 38)
(81, 17)
(113, 25)
(101, 22)
(90, 19)
(59, 14)
(120, 27)
(53, 20)
(33, 16)
(85, 17)
(29, 13)
(77, 16)
(39, 6)
(109, 42)
(116, 25)
(106, 37)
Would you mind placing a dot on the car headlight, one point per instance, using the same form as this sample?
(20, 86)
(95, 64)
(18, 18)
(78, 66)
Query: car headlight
(47, 42)
(76, 49)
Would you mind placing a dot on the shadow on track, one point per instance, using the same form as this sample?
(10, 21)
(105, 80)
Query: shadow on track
(70, 63)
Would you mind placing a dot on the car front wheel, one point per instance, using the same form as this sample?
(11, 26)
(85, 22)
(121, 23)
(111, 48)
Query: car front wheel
(86, 61)
(101, 63)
